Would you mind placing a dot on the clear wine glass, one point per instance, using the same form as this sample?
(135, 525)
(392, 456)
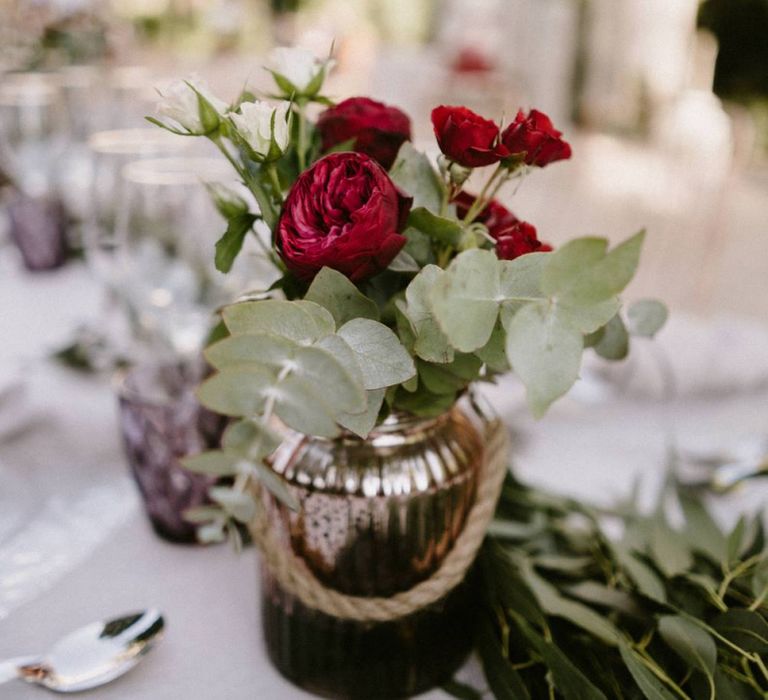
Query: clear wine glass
(165, 232)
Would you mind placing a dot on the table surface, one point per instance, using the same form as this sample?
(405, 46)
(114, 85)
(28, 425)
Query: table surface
(72, 466)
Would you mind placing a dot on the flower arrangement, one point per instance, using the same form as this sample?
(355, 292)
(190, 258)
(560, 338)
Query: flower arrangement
(398, 288)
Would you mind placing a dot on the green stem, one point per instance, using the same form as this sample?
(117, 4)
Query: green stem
(480, 201)
(659, 672)
(275, 181)
(758, 602)
(301, 147)
(742, 568)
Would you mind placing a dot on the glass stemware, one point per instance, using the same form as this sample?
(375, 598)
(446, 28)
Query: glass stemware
(165, 232)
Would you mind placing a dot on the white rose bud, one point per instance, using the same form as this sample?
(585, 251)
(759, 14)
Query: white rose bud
(264, 127)
(298, 66)
(179, 103)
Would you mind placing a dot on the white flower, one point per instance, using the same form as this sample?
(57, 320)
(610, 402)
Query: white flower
(254, 124)
(299, 66)
(179, 103)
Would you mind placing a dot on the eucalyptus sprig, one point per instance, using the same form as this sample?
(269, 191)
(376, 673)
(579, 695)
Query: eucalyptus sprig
(661, 613)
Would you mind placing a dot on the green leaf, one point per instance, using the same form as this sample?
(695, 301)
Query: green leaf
(545, 353)
(335, 292)
(257, 348)
(462, 691)
(250, 439)
(362, 423)
(380, 355)
(326, 325)
(760, 579)
(521, 277)
(568, 679)
(430, 343)
(439, 379)
(504, 681)
(606, 596)
(214, 463)
(613, 343)
(646, 317)
(652, 687)
(690, 642)
(202, 514)
(494, 353)
(589, 318)
(465, 299)
(701, 531)
(331, 380)
(418, 246)
(745, 628)
(237, 391)
(582, 272)
(646, 580)
(404, 262)
(413, 173)
(299, 406)
(580, 615)
(669, 550)
(445, 231)
(424, 403)
(229, 245)
(284, 318)
(240, 506)
(277, 486)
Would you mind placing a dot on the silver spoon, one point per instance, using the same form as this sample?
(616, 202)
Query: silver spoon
(90, 656)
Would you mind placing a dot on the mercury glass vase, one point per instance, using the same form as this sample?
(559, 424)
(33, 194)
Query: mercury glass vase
(377, 516)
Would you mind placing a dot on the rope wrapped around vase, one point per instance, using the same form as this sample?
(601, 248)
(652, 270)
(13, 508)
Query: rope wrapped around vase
(295, 577)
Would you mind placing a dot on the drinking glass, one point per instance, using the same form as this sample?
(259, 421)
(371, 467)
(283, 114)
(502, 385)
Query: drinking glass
(161, 423)
(163, 265)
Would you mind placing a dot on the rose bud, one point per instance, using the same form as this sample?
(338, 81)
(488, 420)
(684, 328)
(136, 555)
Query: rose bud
(344, 213)
(517, 240)
(467, 138)
(191, 105)
(535, 139)
(494, 215)
(374, 128)
(264, 128)
(297, 72)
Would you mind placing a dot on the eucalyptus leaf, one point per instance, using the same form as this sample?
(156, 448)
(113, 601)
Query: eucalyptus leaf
(504, 681)
(413, 173)
(521, 278)
(404, 262)
(380, 355)
(211, 533)
(465, 299)
(494, 353)
(689, 641)
(545, 353)
(646, 317)
(213, 463)
(299, 406)
(583, 272)
(239, 505)
(271, 351)
(202, 514)
(613, 343)
(589, 318)
(324, 321)
(652, 687)
(330, 379)
(646, 580)
(272, 316)
(362, 423)
(430, 343)
(237, 391)
(669, 550)
(276, 485)
(606, 596)
(701, 531)
(250, 439)
(424, 403)
(333, 291)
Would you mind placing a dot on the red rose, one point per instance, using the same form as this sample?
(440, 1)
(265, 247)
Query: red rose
(345, 213)
(466, 138)
(517, 240)
(536, 138)
(495, 215)
(376, 129)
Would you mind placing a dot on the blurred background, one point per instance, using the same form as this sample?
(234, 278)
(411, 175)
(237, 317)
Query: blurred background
(665, 102)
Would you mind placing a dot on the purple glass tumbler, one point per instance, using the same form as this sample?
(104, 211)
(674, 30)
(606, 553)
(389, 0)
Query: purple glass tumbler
(162, 422)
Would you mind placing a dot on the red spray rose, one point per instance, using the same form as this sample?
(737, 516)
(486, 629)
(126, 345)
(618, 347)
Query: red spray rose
(517, 240)
(345, 213)
(467, 138)
(376, 129)
(536, 138)
(495, 215)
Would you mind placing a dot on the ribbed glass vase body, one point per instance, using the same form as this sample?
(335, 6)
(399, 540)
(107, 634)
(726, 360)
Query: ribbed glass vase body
(377, 516)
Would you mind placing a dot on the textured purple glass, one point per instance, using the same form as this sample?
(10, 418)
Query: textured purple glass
(162, 422)
(38, 227)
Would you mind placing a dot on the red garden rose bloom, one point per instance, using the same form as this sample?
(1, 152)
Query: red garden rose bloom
(376, 129)
(495, 215)
(536, 138)
(517, 240)
(345, 213)
(467, 138)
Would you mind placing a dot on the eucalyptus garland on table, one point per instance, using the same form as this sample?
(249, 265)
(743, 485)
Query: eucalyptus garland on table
(397, 287)
(663, 613)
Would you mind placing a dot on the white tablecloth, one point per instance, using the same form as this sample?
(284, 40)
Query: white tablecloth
(72, 466)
